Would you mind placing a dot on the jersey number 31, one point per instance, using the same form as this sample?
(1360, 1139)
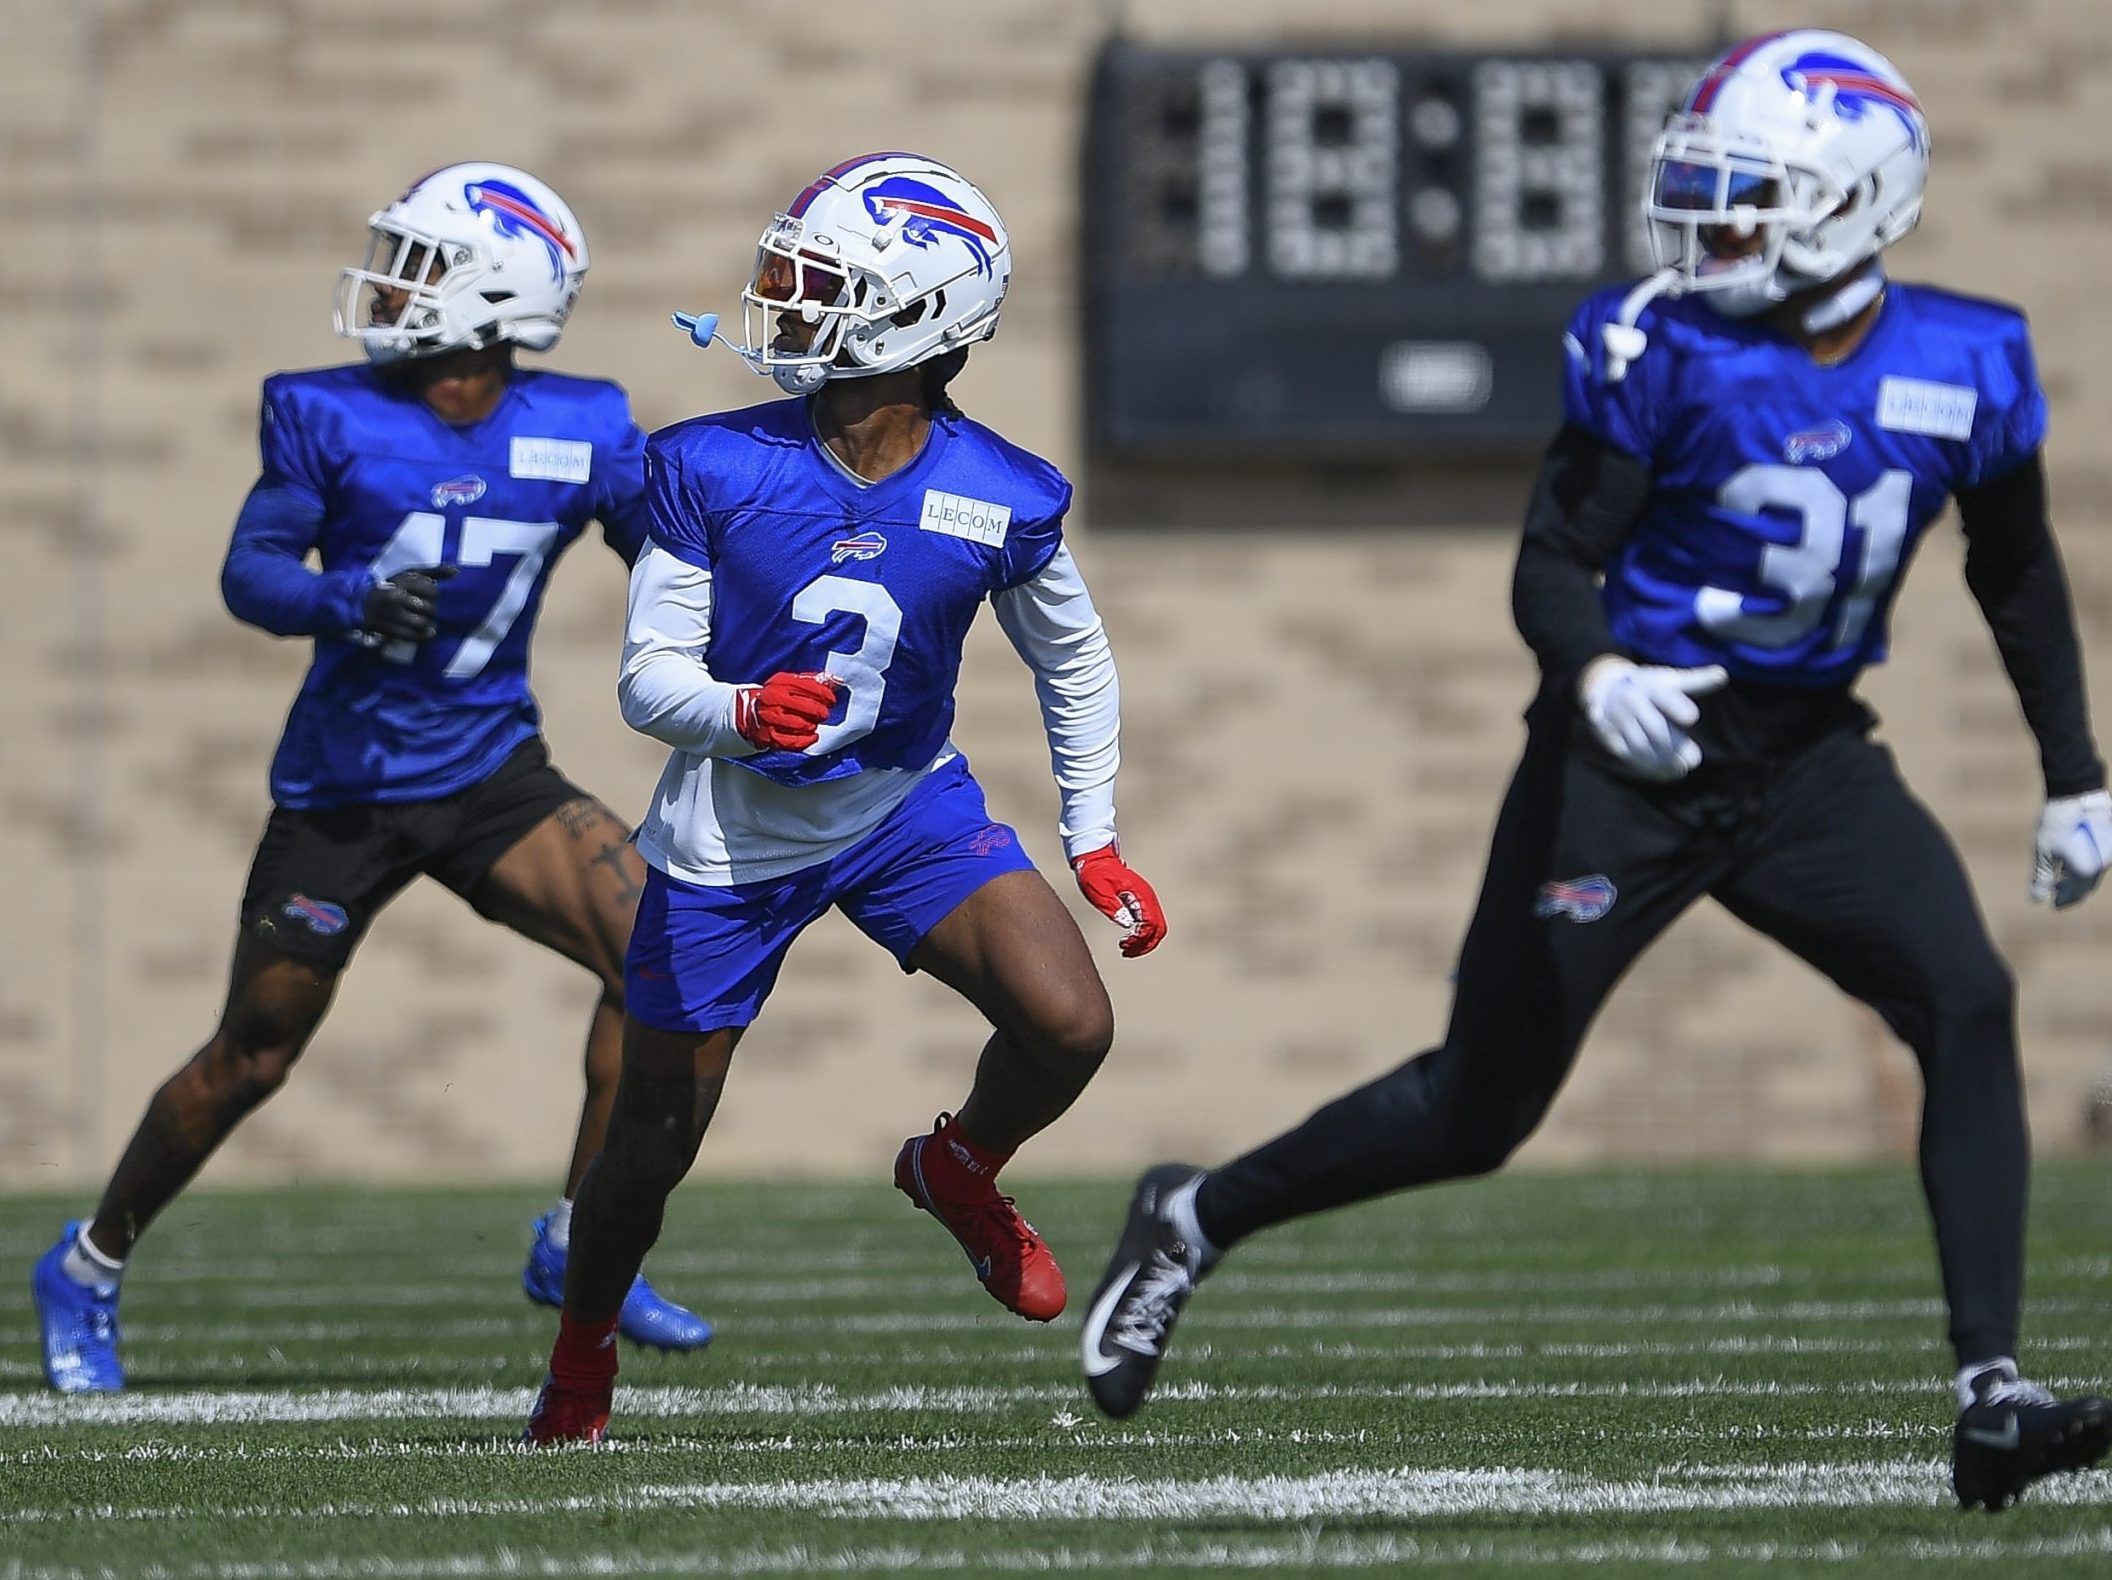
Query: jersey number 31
(1807, 571)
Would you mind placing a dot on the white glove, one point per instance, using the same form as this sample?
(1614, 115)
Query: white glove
(1641, 712)
(2074, 843)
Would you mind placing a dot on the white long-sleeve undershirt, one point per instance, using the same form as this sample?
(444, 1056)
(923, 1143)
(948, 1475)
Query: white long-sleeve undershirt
(715, 824)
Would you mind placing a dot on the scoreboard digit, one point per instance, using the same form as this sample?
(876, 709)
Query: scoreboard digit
(1301, 255)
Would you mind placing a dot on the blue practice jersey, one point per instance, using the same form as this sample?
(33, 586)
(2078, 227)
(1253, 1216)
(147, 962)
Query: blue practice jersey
(366, 476)
(1787, 498)
(875, 583)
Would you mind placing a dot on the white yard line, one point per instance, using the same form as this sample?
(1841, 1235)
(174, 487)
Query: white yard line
(201, 1407)
(1339, 1494)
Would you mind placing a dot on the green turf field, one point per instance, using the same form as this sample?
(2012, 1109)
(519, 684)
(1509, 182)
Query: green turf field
(1720, 1374)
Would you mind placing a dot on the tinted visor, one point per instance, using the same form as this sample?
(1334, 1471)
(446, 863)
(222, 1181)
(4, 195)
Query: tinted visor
(1711, 188)
(801, 279)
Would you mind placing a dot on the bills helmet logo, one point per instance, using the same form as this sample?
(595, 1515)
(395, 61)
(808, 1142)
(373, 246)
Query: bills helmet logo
(1822, 443)
(465, 490)
(928, 215)
(1579, 899)
(513, 213)
(865, 546)
(1857, 91)
(318, 916)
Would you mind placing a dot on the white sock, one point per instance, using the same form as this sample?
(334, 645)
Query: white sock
(1969, 1375)
(1179, 1209)
(87, 1266)
(561, 1224)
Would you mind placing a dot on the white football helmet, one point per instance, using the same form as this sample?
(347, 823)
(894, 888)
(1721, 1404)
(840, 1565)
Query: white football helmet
(479, 253)
(892, 258)
(1797, 157)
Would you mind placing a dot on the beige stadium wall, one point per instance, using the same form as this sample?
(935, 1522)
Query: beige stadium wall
(181, 179)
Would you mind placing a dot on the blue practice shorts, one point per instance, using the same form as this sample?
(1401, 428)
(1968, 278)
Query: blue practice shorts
(703, 958)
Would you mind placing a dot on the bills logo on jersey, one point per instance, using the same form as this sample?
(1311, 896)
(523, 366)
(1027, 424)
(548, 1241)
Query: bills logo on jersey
(865, 546)
(513, 213)
(1822, 443)
(1579, 899)
(464, 490)
(929, 214)
(318, 916)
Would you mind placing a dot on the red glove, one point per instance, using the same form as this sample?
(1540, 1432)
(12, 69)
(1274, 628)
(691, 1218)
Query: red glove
(1120, 894)
(785, 712)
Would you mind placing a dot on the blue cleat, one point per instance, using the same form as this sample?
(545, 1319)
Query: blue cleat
(79, 1323)
(645, 1319)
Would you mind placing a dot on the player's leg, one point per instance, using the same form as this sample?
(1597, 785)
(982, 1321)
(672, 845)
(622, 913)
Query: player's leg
(538, 855)
(1012, 950)
(700, 964)
(1585, 869)
(664, 1102)
(314, 886)
(1854, 875)
(948, 891)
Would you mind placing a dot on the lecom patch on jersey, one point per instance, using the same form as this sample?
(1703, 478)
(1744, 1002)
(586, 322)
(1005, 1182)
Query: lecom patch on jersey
(553, 460)
(1942, 411)
(977, 520)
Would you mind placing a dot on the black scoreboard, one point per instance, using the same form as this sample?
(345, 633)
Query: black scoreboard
(1303, 254)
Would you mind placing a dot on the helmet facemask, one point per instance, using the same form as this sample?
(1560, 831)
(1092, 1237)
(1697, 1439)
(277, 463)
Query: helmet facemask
(1739, 224)
(426, 272)
(798, 308)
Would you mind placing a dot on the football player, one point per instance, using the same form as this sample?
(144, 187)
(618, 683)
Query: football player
(1756, 438)
(436, 483)
(795, 633)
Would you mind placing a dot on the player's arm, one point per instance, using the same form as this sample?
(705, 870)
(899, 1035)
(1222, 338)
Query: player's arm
(667, 691)
(266, 580)
(1585, 502)
(619, 496)
(1052, 624)
(2013, 567)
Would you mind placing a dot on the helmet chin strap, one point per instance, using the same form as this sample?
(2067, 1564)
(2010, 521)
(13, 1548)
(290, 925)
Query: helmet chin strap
(1850, 296)
(804, 379)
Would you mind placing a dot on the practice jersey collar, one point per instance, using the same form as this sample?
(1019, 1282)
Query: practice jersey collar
(865, 491)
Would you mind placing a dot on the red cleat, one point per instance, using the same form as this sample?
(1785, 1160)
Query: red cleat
(1012, 1260)
(569, 1415)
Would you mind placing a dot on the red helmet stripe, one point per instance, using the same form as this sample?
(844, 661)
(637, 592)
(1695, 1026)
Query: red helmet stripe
(534, 219)
(952, 216)
(1713, 79)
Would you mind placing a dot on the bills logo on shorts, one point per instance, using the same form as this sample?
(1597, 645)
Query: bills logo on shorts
(318, 916)
(865, 546)
(1579, 899)
(994, 838)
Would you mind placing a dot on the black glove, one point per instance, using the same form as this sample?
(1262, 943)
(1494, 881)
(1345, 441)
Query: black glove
(401, 609)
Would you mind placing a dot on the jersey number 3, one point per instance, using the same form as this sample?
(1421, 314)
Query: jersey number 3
(1807, 571)
(864, 670)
